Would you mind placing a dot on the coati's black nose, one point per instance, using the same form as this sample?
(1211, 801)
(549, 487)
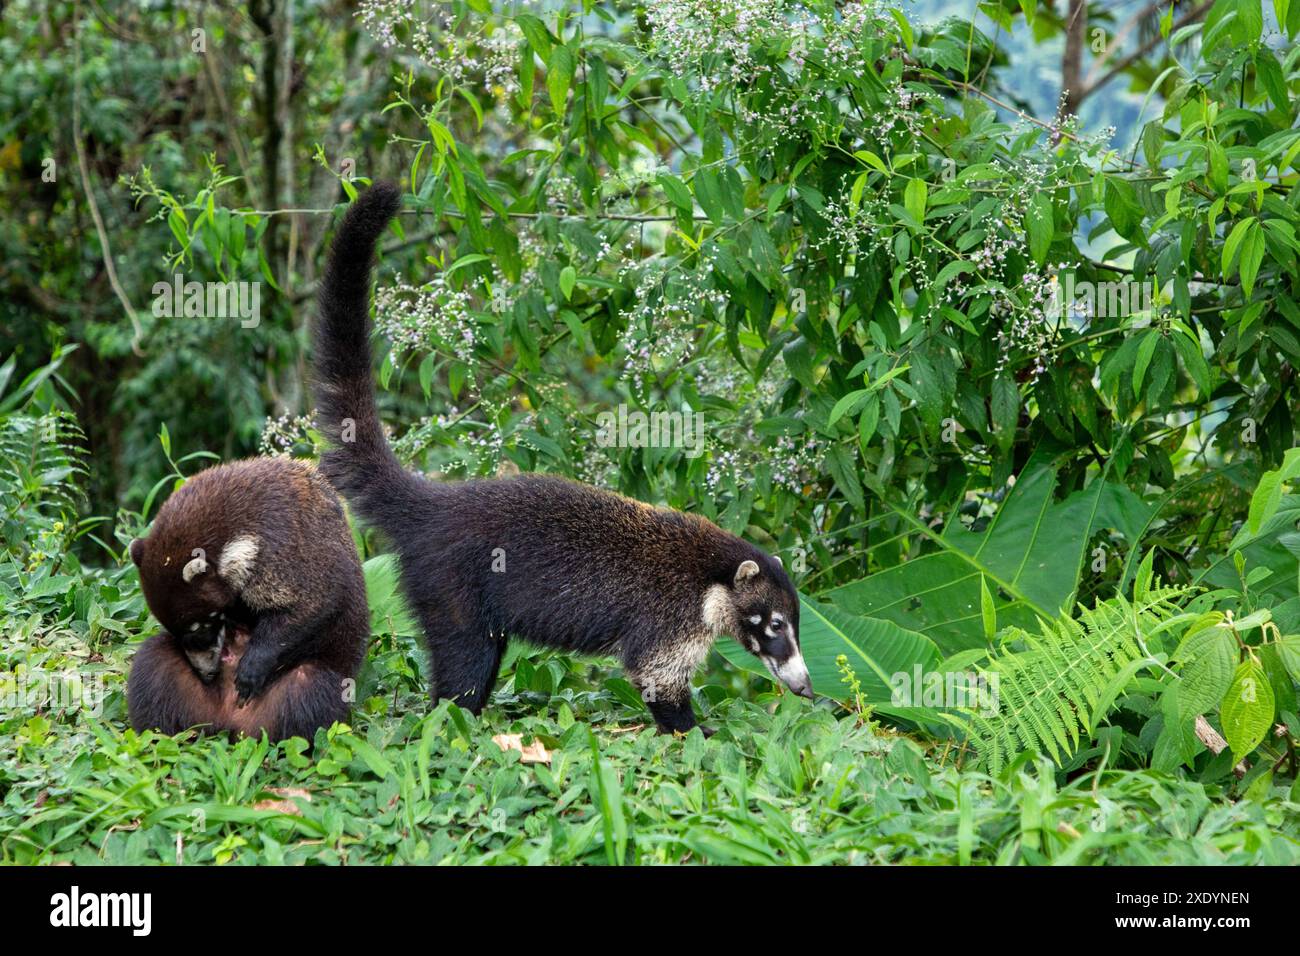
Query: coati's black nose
(803, 689)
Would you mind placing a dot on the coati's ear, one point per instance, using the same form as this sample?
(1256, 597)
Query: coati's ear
(747, 570)
(195, 566)
(137, 551)
(237, 560)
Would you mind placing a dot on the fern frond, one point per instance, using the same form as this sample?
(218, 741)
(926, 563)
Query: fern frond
(1050, 693)
(42, 472)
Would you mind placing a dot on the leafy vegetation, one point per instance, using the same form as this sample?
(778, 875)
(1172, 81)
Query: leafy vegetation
(1012, 398)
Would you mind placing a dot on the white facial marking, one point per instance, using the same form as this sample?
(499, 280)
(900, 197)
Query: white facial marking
(194, 626)
(237, 560)
(756, 619)
(792, 672)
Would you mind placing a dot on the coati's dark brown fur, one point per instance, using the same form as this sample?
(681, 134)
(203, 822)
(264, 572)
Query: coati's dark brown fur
(548, 560)
(251, 569)
(165, 693)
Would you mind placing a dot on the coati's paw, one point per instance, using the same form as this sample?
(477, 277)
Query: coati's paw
(679, 732)
(251, 678)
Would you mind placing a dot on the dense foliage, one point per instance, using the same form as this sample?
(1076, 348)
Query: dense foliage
(1013, 399)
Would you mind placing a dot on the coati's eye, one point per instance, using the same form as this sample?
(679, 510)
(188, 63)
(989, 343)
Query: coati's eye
(777, 624)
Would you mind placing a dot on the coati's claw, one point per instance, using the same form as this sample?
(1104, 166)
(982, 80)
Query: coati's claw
(250, 681)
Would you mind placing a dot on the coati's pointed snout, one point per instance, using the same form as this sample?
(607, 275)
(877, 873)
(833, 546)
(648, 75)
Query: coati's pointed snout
(802, 686)
(792, 672)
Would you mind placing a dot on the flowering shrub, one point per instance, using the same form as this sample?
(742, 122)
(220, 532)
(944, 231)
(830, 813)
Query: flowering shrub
(823, 229)
(812, 224)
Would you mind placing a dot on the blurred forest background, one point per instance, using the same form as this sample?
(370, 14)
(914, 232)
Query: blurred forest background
(990, 317)
(279, 97)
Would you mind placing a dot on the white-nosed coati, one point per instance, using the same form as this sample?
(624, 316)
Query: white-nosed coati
(548, 560)
(166, 693)
(251, 569)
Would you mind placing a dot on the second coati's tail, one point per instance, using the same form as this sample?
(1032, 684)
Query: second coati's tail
(361, 465)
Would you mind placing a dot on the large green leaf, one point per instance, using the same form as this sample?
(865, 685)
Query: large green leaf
(389, 613)
(1030, 555)
(1275, 547)
(876, 651)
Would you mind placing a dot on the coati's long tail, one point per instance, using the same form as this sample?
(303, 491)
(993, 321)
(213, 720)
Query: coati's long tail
(361, 465)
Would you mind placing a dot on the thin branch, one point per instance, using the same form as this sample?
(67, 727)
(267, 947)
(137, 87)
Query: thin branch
(456, 214)
(1190, 17)
(86, 185)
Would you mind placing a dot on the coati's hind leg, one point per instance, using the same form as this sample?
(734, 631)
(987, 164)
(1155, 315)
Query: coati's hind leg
(463, 661)
(300, 700)
(163, 692)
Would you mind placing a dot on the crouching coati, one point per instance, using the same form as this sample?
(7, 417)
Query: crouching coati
(548, 560)
(252, 571)
(166, 693)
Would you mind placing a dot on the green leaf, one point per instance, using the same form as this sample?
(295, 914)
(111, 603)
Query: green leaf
(1270, 76)
(389, 613)
(677, 193)
(1267, 496)
(1038, 223)
(568, 278)
(914, 199)
(848, 405)
(1004, 407)
(1146, 348)
(1289, 649)
(988, 610)
(1031, 553)
(559, 77)
(946, 274)
(1207, 677)
(708, 193)
(1232, 244)
(1252, 254)
(844, 470)
(1247, 710)
(1123, 209)
(868, 421)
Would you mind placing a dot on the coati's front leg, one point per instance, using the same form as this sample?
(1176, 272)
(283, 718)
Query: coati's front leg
(661, 671)
(672, 714)
(278, 639)
(669, 698)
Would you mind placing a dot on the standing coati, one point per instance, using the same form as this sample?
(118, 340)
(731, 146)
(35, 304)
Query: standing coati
(548, 560)
(251, 569)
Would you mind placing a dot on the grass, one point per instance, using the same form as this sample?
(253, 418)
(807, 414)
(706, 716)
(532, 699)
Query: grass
(782, 781)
